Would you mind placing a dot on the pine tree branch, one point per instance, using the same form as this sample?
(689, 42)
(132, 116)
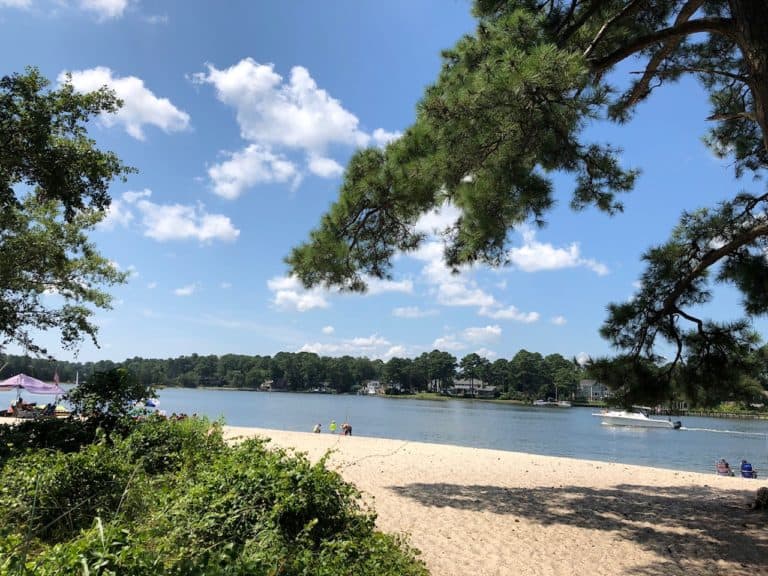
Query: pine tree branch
(722, 26)
(641, 89)
(626, 11)
(694, 70)
(670, 302)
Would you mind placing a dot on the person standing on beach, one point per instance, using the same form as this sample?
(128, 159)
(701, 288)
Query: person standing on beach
(332, 427)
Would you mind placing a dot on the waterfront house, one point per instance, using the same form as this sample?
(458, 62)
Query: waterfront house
(372, 388)
(593, 391)
(472, 389)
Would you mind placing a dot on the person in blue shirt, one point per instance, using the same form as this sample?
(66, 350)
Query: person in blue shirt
(747, 471)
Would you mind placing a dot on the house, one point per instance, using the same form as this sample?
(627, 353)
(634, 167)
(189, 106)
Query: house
(472, 389)
(372, 388)
(593, 390)
(274, 385)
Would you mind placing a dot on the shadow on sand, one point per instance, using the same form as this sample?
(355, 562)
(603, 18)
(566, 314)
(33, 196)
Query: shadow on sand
(693, 532)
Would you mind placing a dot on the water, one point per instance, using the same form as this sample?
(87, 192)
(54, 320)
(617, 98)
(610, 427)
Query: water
(570, 432)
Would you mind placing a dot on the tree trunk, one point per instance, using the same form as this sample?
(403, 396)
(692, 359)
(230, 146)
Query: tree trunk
(751, 21)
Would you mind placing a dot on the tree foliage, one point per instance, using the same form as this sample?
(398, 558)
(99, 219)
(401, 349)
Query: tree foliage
(53, 189)
(509, 108)
(171, 497)
(114, 393)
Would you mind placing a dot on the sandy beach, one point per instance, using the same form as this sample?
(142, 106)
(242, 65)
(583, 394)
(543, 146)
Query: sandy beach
(493, 513)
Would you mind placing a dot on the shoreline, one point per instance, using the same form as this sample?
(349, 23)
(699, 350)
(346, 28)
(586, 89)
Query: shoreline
(491, 512)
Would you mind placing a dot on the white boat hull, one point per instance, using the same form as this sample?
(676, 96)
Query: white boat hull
(636, 419)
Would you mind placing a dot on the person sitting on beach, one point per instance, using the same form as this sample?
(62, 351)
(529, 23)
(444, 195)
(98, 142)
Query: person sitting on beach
(747, 471)
(332, 427)
(723, 468)
(317, 429)
(346, 428)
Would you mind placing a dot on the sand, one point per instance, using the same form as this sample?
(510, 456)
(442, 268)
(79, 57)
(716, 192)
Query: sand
(486, 512)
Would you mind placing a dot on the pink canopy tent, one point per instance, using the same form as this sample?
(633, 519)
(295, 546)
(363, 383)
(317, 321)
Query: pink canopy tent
(31, 385)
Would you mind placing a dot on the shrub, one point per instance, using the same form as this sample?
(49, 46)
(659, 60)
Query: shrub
(53, 494)
(63, 435)
(172, 498)
(162, 445)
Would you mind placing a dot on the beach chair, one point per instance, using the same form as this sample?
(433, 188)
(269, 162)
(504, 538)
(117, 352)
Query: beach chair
(722, 468)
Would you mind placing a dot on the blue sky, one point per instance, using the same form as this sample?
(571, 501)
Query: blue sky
(240, 117)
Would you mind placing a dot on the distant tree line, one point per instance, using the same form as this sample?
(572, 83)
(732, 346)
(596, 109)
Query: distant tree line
(526, 375)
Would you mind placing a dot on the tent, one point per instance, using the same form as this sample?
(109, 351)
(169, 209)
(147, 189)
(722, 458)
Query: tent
(31, 385)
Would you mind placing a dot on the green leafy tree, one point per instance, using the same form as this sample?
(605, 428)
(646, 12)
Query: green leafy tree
(510, 107)
(473, 367)
(113, 393)
(53, 189)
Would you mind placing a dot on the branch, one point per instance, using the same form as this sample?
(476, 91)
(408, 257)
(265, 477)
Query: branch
(627, 10)
(641, 88)
(668, 71)
(737, 116)
(722, 26)
(583, 17)
(670, 303)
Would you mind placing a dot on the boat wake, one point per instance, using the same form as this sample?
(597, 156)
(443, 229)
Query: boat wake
(721, 431)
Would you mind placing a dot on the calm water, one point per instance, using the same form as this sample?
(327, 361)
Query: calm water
(570, 432)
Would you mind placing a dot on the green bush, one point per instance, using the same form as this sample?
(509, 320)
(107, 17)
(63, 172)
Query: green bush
(172, 498)
(53, 495)
(63, 435)
(162, 445)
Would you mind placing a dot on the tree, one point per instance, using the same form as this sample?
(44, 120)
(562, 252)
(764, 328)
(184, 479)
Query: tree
(509, 108)
(53, 189)
(473, 367)
(113, 393)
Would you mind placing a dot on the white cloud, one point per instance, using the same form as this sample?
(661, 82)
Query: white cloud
(373, 346)
(483, 333)
(559, 320)
(448, 343)
(105, 9)
(395, 351)
(510, 313)
(412, 312)
(151, 285)
(187, 290)
(582, 358)
(289, 294)
(133, 195)
(382, 137)
(292, 114)
(225, 285)
(164, 222)
(378, 286)
(436, 221)
(485, 353)
(328, 330)
(180, 222)
(324, 167)
(15, 3)
(140, 105)
(118, 214)
(450, 289)
(534, 256)
(253, 165)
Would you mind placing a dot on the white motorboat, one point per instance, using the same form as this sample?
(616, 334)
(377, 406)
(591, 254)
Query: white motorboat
(636, 417)
(552, 403)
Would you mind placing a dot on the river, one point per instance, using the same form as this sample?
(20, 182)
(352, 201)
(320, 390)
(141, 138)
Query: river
(569, 432)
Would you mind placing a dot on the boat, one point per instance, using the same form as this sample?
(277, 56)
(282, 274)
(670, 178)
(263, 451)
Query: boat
(637, 417)
(552, 403)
